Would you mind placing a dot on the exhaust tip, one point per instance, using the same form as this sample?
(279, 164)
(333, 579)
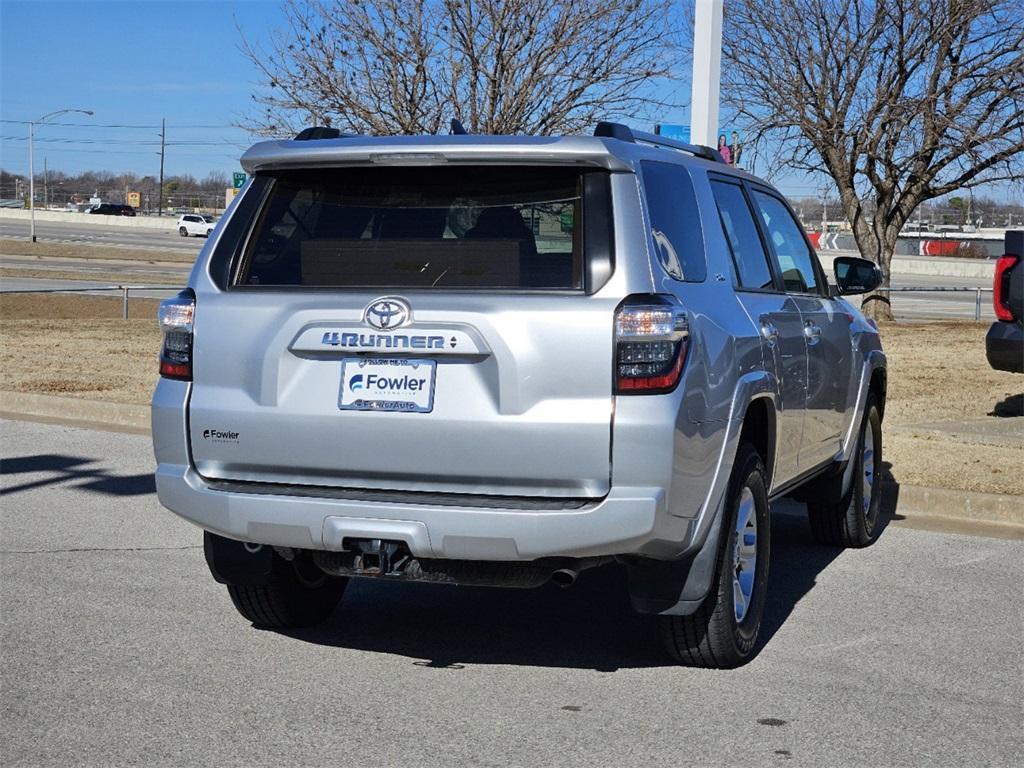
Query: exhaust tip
(564, 577)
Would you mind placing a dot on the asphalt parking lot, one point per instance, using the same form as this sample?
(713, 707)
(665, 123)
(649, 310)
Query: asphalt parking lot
(118, 648)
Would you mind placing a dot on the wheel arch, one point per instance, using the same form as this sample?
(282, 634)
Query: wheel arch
(759, 429)
(878, 386)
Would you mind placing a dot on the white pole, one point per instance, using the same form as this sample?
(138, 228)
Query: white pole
(31, 185)
(707, 71)
(31, 174)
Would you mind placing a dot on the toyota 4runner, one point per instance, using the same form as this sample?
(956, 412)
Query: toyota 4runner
(503, 360)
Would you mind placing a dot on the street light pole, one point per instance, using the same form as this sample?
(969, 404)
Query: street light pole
(31, 184)
(31, 172)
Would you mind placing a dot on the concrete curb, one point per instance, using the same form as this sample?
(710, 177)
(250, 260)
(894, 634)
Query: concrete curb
(917, 501)
(73, 409)
(911, 501)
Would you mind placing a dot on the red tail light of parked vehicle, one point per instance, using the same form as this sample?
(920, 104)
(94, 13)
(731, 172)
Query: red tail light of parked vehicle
(1001, 287)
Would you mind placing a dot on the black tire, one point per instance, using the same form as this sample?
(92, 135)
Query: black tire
(713, 636)
(854, 521)
(182, 231)
(297, 594)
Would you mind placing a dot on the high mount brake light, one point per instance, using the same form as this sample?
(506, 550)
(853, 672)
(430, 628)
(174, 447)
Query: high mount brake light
(1001, 287)
(651, 339)
(175, 317)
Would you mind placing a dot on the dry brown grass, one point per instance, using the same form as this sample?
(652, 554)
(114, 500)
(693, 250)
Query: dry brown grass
(941, 427)
(78, 346)
(41, 249)
(124, 276)
(939, 430)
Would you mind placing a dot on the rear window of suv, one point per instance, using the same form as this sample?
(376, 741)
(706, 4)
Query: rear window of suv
(497, 227)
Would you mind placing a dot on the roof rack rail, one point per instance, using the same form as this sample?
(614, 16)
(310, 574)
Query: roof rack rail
(625, 133)
(315, 132)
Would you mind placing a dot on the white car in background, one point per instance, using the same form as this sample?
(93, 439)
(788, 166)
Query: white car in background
(194, 224)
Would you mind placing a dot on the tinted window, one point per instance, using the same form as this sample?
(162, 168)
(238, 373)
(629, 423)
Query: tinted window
(444, 227)
(787, 239)
(741, 233)
(675, 221)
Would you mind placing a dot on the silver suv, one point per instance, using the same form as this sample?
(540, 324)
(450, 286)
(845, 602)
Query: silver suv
(503, 360)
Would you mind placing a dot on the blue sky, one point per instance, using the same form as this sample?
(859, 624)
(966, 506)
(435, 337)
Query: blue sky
(134, 62)
(131, 63)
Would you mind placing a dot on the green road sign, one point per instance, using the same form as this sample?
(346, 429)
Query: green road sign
(239, 179)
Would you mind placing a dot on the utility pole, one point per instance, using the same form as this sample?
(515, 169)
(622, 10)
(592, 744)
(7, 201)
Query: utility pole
(46, 188)
(160, 193)
(707, 71)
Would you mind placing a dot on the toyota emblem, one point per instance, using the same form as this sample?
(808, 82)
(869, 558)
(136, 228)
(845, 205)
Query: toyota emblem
(388, 314)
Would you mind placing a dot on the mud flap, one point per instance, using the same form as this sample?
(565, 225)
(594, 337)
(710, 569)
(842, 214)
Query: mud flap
(234, 562)
(676, 587)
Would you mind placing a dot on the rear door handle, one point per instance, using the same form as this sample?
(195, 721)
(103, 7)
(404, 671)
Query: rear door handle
(812, 332)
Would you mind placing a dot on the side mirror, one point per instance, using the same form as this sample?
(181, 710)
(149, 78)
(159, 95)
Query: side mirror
(854, 275)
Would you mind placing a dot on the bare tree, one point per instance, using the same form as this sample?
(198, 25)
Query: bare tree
(899, 101)
(500, 66)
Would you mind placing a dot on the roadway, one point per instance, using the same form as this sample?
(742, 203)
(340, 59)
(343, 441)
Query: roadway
(938, 306)
(118, 648)
(90, 233)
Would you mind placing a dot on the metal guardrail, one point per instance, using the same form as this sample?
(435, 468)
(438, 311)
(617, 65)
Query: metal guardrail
(124, 289)
(977, 294)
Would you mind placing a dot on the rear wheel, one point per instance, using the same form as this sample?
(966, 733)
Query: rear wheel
(297, 594)
(854, 520)
(723, 631)
(182, 231)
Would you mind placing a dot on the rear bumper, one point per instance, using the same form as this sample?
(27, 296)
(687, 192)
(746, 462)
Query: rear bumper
(1004, 346)
(626, 521)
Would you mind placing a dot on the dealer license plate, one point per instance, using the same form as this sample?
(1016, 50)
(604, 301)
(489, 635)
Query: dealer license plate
(387, 384)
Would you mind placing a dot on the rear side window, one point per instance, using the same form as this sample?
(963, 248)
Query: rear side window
(500, 227)
(675, 221)
(787, 239)
(741, 233)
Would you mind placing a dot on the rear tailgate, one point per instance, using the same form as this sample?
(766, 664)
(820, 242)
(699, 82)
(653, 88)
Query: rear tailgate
(487, 309)
(529, 414)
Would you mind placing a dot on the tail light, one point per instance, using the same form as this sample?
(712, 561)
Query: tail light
(651, 337)
(1001, 287)
(175, 316)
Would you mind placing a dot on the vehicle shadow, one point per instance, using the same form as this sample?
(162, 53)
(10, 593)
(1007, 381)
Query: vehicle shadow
(588, 626)
(1009, 407)
(797, 558)
(80, 472)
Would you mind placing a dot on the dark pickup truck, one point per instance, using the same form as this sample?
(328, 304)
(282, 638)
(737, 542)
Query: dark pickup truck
(1004, 344)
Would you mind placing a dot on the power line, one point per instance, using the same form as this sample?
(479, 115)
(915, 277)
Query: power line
(124, 125)
(134, 142)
